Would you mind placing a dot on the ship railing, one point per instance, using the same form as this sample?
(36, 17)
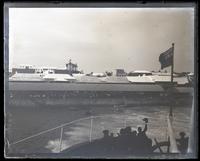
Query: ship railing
(60, 128)
(59, 138)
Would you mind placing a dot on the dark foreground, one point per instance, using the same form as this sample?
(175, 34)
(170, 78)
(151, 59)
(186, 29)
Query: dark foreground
(23, 122)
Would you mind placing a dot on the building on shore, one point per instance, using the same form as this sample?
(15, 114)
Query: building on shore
(71, 68)
(120, 73)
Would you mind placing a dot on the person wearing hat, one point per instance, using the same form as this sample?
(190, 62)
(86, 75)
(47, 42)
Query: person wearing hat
(182, 142)
(142, 133)
(144, 143)
(106, 133)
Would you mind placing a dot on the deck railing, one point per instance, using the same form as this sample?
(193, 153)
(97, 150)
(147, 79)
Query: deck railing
(94, 132)
(61, 128)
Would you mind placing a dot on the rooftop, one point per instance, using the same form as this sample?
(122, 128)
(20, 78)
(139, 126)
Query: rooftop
(141, 71)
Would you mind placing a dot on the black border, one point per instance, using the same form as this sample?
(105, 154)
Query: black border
(103, 4)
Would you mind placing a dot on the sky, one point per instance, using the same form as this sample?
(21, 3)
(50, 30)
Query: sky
(101, 39)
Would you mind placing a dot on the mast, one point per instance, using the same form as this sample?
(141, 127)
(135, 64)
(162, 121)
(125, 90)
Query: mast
(173, 145)
(172, 77)
(172, 66)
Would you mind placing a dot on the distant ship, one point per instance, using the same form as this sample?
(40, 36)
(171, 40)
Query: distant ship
(69, 86)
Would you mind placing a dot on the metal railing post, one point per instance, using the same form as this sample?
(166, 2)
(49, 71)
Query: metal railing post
(55, 128)
(61, 135)
(91, 124)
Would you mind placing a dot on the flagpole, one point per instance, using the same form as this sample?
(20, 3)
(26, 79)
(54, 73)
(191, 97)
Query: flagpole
(172, 71)
(173, 146)
(172, 67)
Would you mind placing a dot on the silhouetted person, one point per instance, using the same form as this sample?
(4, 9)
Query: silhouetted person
(143, 142)
(133, 141)
(142, 133)
(105, 133)
(182, 143)
(104, 144)
(112, 143)
(127, 131)
(121, 141)
(121, 132)
(127, 139)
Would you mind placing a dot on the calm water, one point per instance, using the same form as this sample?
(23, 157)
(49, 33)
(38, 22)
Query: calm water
(23, 122)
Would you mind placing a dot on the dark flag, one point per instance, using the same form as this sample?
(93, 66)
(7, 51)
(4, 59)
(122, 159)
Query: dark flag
(166, 58)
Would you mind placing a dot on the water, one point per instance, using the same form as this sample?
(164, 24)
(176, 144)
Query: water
(23, 122)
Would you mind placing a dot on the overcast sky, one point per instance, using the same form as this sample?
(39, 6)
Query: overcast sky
(100, 39)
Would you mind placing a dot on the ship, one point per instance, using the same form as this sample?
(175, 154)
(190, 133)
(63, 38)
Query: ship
(68, 86)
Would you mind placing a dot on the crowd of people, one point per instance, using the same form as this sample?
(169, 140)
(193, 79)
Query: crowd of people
(128, 140)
